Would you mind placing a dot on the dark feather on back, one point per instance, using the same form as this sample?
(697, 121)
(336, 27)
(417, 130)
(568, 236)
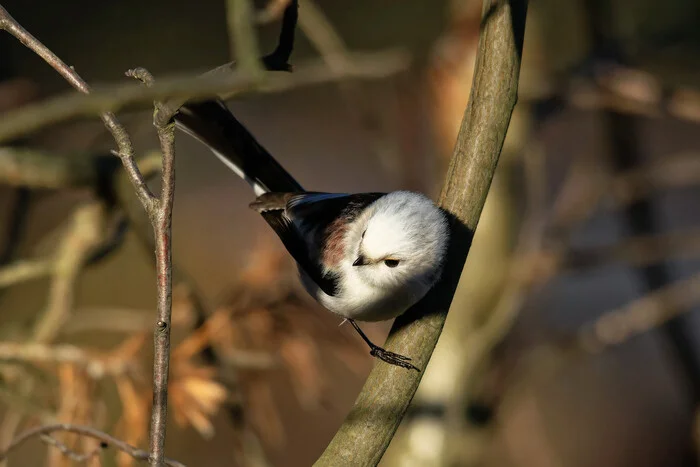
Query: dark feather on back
(312, 226)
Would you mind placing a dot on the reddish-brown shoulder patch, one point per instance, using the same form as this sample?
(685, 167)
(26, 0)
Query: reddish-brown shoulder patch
(334, 247)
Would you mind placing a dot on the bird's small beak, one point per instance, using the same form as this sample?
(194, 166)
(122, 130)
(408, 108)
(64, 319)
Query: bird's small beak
(360, 261)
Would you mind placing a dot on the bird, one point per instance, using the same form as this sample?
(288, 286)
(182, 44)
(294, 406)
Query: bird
(363, 256)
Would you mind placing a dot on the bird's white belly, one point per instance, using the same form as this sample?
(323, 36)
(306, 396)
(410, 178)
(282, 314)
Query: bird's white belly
(359, 301)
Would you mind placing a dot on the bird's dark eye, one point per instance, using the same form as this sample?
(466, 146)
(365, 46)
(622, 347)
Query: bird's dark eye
(391, 263)
(363, 234)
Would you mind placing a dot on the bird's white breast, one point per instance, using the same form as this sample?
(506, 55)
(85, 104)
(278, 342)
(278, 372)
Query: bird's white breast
(358, 300)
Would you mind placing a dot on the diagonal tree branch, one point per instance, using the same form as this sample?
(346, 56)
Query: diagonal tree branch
(160, 214)
(380, 407)
(223, 82)
(121, 137)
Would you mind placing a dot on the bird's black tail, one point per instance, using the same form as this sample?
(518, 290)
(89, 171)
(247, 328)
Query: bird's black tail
(212, 123)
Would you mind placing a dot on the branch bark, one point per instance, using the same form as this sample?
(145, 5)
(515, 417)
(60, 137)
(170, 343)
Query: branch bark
(369, 427)
(108, 440)
(161, 220)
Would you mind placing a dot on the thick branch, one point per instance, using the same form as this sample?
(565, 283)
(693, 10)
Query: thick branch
(370, 426)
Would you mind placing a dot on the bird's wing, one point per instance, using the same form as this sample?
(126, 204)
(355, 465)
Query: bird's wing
(303, 223)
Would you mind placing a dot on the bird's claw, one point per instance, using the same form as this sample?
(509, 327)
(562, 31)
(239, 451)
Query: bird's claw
(392, 358)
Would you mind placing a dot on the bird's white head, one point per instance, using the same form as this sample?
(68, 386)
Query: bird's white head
(400, 243)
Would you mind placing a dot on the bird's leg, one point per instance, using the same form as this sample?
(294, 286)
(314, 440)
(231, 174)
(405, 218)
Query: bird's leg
(383, 355)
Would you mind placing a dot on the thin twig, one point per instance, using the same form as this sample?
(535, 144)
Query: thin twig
(652, 310)
(84, 235)
(36, 168)
(160, 213)
(109, 440)
(226, 84)
(161, 219)
(370, 426)
(33, 352)
(322, 35)
(25, 270)
(71, 454)
(121, 137)
(244, 43)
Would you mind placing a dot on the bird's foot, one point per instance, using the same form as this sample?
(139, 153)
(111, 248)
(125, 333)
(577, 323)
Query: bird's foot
(392, 358)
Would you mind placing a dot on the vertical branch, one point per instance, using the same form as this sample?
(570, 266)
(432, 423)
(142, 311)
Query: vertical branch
(161, 219)
(622, 132)
(239, 16)
(382, 403)
(121, 137)
(162, 229)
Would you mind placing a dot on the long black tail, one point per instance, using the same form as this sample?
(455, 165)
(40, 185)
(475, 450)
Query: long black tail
(212, 123)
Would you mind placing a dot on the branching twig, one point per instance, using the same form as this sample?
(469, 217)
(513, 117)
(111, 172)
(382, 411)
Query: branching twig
(134, 452)
(125, 148)
(378, 410)
(161, 219)
(160, 213)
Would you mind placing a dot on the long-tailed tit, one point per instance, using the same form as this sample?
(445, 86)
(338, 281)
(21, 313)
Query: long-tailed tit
(364, 256)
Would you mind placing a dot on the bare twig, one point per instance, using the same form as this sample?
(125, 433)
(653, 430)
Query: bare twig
(81, 237)
(380, 407)
(161, 219)
(21, 271)
(272, 11)
(322, 35)
(35, 168)
(624, 90)
(160, 213)
(95, 365)
(226, 83)
(244, 43)
(71, 454)
(78, 243)
(641, 315)
(125, 148)
(109, 440)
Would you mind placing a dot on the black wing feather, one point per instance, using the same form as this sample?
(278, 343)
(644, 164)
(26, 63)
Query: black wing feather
(302, 221)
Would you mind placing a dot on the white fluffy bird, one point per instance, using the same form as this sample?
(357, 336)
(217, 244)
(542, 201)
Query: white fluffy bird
(363, 256)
